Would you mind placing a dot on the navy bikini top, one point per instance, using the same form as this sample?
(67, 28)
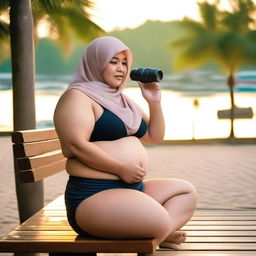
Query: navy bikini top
(110, 127)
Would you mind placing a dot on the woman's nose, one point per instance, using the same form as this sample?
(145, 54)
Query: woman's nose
(119, 67)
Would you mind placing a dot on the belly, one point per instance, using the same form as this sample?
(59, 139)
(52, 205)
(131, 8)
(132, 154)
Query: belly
(127, 149)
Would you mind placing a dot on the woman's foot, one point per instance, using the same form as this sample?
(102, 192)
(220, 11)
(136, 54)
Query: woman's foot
(177, 237)
(174, 240)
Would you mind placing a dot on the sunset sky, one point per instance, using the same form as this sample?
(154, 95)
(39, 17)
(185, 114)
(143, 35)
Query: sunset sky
(119, 14)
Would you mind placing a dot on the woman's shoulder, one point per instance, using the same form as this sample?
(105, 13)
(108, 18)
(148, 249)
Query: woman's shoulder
(75, 93)
(75, 98)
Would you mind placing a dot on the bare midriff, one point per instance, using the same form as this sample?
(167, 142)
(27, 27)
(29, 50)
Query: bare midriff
(127, 149)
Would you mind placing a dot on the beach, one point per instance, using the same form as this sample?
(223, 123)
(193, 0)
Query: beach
(224, 175)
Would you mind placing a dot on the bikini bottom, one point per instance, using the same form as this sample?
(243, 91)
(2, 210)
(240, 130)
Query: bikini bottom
(78, 189)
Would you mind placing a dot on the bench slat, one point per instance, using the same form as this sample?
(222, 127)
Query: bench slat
(202, 239)
(236, 233)
(164, 252)
(34, 135)
(213, 218)
(35, 148)
(227, 213)
(219, 246)
(43, 233)
(40, 173)
(80, 245)
(40, 160)
(227, 228)
(222, 223)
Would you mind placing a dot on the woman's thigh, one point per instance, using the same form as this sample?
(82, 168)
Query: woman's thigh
(122, 213)
(163, 189)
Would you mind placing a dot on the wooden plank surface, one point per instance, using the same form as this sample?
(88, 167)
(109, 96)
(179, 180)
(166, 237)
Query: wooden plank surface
(201, 253)
(34, 135)
(40, 160)
(42, 172)
(209, 232)
(35, 148)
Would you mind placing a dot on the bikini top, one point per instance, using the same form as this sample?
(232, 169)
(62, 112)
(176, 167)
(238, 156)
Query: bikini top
(110, 127)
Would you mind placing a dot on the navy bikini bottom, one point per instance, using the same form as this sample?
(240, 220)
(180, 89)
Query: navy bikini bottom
(78, 189)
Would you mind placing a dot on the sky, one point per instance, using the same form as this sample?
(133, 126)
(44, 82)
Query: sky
(120, 14)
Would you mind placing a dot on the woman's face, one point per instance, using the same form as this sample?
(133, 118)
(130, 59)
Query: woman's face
(116, 70)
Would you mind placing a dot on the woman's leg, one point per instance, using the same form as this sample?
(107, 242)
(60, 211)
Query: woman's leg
(179, 199)
(123, 213)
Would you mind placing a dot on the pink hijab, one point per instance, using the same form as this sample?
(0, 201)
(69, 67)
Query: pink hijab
(88, 79)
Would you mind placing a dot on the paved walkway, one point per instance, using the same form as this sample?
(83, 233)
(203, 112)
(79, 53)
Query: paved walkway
(224, 175)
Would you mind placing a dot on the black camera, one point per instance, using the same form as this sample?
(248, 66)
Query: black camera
(146, 75)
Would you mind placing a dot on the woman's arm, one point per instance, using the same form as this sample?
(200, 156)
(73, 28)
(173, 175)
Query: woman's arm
(156, 125)
(74, 121)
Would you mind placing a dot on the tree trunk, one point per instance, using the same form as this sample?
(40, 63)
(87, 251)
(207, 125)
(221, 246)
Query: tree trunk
(231, 84)
(29, 195)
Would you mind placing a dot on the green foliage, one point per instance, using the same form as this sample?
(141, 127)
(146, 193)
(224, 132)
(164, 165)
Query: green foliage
(222, 36)
(68, 21)
(149, 44)
(240, 17)
(50, 59)
(209, 13)
(4, 5)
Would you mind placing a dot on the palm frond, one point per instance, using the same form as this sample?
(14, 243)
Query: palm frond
(251, 48)
(231, 50)
(68, 19)
(83, 27)
(179, 43)
(4, 31)
(193, 52)
(190, 26)
(4, 50)
(210, 14)
(241, 16)
(183, 60)
(68, 26)
(60, 33)
(4, 6)
(37, 11)
(53, 6)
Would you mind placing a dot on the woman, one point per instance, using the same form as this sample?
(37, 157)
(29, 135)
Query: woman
(100, 130)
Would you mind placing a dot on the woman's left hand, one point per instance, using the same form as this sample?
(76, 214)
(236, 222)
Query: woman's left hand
(151, 92)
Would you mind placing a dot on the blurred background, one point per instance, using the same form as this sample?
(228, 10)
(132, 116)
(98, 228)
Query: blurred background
(206, 49)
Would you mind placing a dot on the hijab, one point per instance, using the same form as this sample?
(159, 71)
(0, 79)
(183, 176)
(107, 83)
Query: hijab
(88, 79)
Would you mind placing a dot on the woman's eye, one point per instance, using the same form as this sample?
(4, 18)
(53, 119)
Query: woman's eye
(113, 62)
(124, 63)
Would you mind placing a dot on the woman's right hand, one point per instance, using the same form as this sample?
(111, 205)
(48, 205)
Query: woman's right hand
(132, 173)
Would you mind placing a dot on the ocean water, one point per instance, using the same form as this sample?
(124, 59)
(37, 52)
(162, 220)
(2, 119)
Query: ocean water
(190, 107)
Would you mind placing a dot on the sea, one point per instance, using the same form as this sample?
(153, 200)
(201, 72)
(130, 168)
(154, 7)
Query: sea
(195, 103)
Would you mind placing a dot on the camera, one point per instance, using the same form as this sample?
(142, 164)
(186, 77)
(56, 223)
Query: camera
(146, 75)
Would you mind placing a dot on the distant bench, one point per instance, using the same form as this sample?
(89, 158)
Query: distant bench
(37, 155)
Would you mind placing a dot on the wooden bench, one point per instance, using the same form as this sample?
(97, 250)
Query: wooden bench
(38, 155)
(210, 232)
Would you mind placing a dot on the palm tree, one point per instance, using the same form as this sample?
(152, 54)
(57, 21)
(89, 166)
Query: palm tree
(4, 32)
(222, 36)
(66, 19)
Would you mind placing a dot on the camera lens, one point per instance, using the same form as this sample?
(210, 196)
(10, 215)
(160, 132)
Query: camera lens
(146, 75)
